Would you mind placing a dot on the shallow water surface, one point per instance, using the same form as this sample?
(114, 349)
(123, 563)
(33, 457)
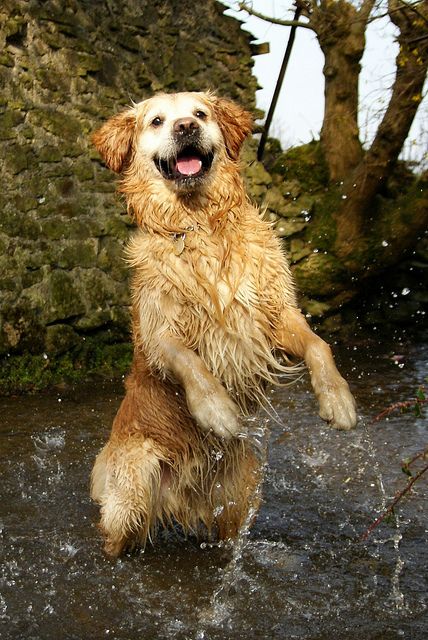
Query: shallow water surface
(301, 572)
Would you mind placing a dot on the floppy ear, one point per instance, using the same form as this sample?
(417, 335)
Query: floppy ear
(114, 139)
(235, 124)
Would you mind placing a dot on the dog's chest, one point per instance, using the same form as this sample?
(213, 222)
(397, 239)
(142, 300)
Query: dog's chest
(210, 277)
(221, 300)
(213, 276)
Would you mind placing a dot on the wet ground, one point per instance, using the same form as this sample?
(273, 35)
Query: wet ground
(302, 572)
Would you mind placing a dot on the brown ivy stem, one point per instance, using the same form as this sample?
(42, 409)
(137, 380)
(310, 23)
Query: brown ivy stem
(397, 498)
(399, 405)
(421, 454)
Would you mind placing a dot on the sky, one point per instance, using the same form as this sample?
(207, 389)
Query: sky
(299, 112)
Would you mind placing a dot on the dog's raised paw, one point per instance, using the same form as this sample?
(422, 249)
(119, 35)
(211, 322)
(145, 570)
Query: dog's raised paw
(215, 411)
(337, 406)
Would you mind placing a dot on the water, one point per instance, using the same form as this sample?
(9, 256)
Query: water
(300, 572)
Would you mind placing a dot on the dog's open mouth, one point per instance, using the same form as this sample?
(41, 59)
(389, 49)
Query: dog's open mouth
(189, 165)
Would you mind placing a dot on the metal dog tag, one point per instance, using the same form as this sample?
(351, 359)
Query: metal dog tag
(179, 243)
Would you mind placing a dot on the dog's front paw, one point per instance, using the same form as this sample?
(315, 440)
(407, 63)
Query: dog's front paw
(337, 405)
(214, 410)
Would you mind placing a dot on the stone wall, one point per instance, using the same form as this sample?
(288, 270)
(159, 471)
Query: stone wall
(64, 68)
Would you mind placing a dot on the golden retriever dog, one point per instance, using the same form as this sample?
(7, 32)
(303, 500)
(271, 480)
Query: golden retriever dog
(213, 305)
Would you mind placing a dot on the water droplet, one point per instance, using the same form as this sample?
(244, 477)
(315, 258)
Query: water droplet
(218, 511)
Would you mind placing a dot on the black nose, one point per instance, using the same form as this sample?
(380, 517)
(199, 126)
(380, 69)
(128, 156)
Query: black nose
(186, 125)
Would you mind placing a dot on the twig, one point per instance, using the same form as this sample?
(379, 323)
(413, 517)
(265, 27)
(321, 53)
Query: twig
(397, 498)
(284, 23)
(416, 402)
(421, 454)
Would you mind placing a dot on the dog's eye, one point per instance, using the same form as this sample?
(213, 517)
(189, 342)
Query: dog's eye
(156, 122)
(201, 115)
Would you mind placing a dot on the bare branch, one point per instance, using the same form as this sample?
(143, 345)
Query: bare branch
(400, 7)
(419, 400)
(406, 463)
(284, 23)
(414, 8)
(390, 508)
(366, 9)
(400, 405)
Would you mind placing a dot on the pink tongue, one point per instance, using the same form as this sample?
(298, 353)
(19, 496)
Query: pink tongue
(189, 165)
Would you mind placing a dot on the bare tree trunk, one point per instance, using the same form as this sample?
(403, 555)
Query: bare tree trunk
(340, 28)
(377, 164)
(339, 134)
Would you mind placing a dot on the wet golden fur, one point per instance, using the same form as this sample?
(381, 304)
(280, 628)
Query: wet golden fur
(213, 301)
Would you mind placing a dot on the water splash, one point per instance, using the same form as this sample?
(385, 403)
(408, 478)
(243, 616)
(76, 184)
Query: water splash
(3, 609)
(220, 607)
(396, 595)
(49, 441)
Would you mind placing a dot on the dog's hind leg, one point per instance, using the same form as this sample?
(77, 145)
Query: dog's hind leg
(126, 480)
(235, 493)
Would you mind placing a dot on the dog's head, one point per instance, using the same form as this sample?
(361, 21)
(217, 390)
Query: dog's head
(179, 137)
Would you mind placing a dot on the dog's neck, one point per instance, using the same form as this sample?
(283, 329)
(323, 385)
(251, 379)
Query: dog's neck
(163, 210)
